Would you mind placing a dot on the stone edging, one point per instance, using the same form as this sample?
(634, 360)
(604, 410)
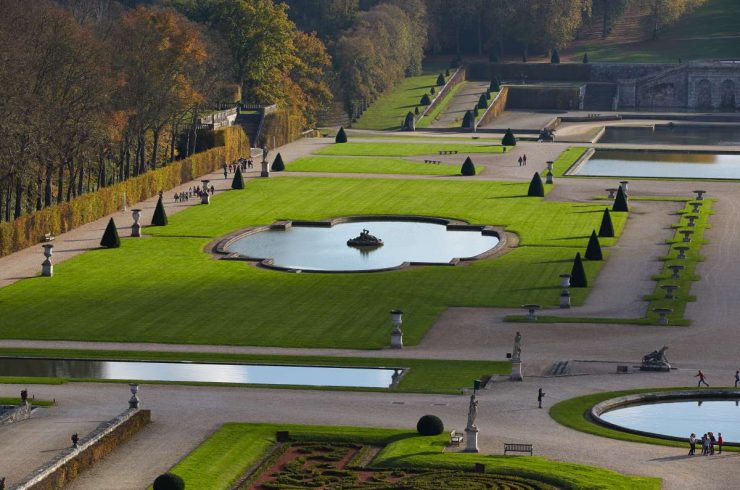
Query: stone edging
(507, 240)
(16, 413)
(655, 397)
(586, 156)
(95, 446)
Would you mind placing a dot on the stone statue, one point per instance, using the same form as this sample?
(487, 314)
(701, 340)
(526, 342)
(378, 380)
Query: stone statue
(265, 151)
(517, 352)
(472, 412)
(656, 361)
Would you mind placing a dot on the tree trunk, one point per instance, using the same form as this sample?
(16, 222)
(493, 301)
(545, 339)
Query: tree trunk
(18, 198)
(155, 147)
(60, 184)
(47, 186)
(39, 186)
(81, 180)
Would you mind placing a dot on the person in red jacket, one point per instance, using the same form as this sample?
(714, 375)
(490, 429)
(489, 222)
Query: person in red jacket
(720, 441)
(702, 379)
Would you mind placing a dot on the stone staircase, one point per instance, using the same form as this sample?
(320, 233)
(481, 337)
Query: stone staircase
(632, 26)
(333, 116)
(251, 123)
(599, 96)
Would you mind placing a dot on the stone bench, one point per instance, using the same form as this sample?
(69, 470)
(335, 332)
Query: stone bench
(436, 162)
(517, 448)
(456, 438)
(448, 152)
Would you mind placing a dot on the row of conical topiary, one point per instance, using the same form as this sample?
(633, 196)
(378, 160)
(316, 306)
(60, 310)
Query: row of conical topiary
(110, 235)
(593, 251)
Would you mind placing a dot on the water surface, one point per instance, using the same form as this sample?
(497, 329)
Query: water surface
(626, 163)
(676, 135)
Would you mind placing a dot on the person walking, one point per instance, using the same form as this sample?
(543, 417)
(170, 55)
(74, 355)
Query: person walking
(712, 440)
(226, 172)
(520, 161)
(702, 379)
(704, 445)
(692, 444)
(524, 159)
(737, 377)
(720, 441)
(540, 396)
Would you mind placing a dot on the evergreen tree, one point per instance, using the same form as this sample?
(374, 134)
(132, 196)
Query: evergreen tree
(578, 273)
(110, 236)
(468, 168)
(277, 164)
(432, 90)
(408, 122)
(482, 101)
(425, 100)
(536, 189)
(341, 136)
(555, 57)
(476, 111)
(585, 57)
(607, 228)
(447, 72)
(468, 119)
(238, 181)
(440, 80)
(159, 218)
(593, 250)
(487, 94)
(495, 86)
(416, 110)
(508, 139)
(620, 202)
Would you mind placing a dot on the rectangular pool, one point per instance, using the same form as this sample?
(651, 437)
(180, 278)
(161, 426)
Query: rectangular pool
(201, 372)
(626, 163)
(673, 135)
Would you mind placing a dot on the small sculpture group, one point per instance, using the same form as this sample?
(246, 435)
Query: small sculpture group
(656, 361)
(365, 239)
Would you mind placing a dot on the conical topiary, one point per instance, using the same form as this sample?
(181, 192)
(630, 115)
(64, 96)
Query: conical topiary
(277, 164)
(536, 189)
(110, 236)
(468, 119)
(607, 228)
(432, 91)
(555, 57)
(494, 86)
(476, 111)
(168, 481)
(159, 218)
(482, 101)
(238, 181)
(578, 273)
(447, 72)
(416, 110)
(468, 167)
(341, 136)
(585, 57)
(425, 100)
(620, 202)
(440, 80)
(487, 94)
(508, 139)
(408, 122)
(593, 250)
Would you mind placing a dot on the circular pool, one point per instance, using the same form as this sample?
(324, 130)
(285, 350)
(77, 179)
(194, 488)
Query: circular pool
(321, 246)
(674, 415)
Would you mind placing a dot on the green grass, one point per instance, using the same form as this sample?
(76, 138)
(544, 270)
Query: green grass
(389, 110)
(405, 149)
(441, 106)
(17, 401)
(30, 380)
(165, 288)
(574, 413)
(372, 165)
(710, 32)
(224, 457)
(422, 376)
(566, 160)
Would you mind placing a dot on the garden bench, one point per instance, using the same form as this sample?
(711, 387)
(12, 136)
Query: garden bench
(436, 162)
(456, 438)
(517, 448)
(448, 152)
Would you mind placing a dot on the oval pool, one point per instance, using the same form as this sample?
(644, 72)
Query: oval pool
(323, 247)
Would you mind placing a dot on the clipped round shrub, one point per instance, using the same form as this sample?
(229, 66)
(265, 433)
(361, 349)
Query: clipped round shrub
(555, 57)
(441, 80)
(341, 136)
(169, 481)
(430, 425)
(425, 100)
(468, 168)
(277, 164)
(508, 139)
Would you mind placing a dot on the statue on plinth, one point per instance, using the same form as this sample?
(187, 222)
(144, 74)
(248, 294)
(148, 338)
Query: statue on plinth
(656, 361)
(516, 354)
(472, 413)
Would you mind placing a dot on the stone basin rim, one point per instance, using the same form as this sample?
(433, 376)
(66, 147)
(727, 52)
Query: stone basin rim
(594, 414)
(219, 248)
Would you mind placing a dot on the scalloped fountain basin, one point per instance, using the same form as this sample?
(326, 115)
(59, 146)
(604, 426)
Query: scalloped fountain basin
(320, 247)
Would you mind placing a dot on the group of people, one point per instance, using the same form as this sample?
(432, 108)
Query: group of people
(193, 191)
(708, 442)
(523, 160)
(241, 163)
(703, 379)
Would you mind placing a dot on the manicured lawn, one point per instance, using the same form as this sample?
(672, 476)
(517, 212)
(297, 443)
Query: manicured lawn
(566, 160)
(573, 413)
(17, 401)
(389, 111)
(165, 288)
(710, 32)
(234, 448)
(406, 149)
(439, 108)
(422, 376)
(372, 165)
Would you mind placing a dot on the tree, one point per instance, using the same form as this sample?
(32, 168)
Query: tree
(606, 229)
(110, 236)
(578, 273)
(620, 202)
(665, 12)
(482, 101)
(425, 100)
(238, 181)
(593, 250)
(494, 86)
(555, 57)
(440, 80)
(159, 218)
(536, 189)
(468, 168)
(277, 164)
(508, 139)
(416, 111)
(409, 123)
(430, 425)
(432, 90)
(341, 136)
(169, 481)
(468, 120)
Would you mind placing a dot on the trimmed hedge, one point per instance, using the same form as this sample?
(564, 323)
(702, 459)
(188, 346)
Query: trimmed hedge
(169, 481)
(509, 139)
(468, 168)
(578, 273)
(110, 236)
(341, 136)
(536, 189)
(238, 180)
(430, 425)
(593, 250)
(28, 230)
(607, 228)
(159, 218)
(277, 164)
(620, 202)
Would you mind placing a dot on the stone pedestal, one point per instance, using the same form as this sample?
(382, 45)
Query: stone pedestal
(47, 268)
(205, 196)
(681, 251)
(565, 298)
(548, 177)
(699, 195)
(624, 184)
(612, 193)
(397, 338)
(516, 370)
(265, 169)
(136, 227)
(471, 440)
(134, 400)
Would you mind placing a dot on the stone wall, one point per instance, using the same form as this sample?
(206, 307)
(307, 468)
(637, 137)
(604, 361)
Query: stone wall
(454, 79)
(495, 108)
(544, 97)
(91, 448)
(15, 413)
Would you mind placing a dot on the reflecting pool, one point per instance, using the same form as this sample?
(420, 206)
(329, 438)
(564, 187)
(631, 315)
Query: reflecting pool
(325, 248)
(681, 418)
(200, 372)
(625, 163)
(673, 135)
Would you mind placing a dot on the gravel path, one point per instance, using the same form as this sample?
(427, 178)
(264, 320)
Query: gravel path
(464, 100)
